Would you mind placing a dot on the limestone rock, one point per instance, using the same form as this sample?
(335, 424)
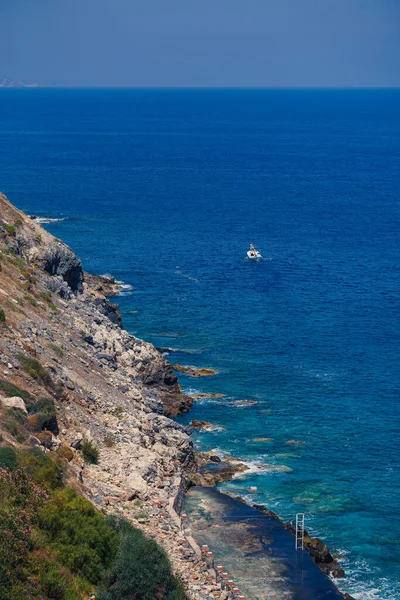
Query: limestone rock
(14, 402)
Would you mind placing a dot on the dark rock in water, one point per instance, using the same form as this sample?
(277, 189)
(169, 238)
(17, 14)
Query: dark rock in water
(216, 471)
(201, 424)
(214, 458)
(176, 403)
(320, 553)
(195, 371)
(263, 509)
(102, 284)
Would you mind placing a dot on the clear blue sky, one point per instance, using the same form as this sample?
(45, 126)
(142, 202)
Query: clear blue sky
(240, 43)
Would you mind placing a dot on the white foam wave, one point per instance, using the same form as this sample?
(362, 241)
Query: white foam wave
(42, 220)
(211, 428)
(256, 467)
(379, 588)
(187, 276)
(125, 289)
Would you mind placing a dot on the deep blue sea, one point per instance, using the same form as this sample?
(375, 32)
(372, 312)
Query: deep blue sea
(164, 189)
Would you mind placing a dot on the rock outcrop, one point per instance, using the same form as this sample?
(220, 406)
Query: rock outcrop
(320, 554)
(107, 385)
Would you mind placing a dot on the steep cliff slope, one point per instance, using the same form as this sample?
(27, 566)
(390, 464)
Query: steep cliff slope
(107, 385)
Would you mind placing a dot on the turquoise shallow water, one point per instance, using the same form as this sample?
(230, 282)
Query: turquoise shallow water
(165, 189)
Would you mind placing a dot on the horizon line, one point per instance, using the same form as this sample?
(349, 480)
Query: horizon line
(36, 86)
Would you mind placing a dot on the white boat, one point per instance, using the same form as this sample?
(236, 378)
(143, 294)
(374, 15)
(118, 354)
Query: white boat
(252, 253)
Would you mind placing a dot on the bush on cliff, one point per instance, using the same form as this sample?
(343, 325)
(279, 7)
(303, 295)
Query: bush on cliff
(42, 415)
(141, 569)
(43, 470)
(79, 534)
(33, 367)
(9, 390)
(8, 458)
(90, 452)
(2, 316)
(10, 229)
(55, 545)
(20, 500)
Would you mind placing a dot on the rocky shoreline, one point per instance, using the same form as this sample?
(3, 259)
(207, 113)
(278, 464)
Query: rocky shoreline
(111, 388)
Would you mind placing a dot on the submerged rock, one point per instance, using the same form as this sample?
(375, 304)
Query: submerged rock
(195, 371)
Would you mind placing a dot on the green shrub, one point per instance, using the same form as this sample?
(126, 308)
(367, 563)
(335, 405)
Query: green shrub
(84, 541)
(32, 366)
(9, 390)
(42, 469)
(10, 229)
(65, 452)
(118, 411)
(30, 299)
(15, 429)
(52, 582)
(90, 452)
(43, 415)
(45, 438)
(141, 570)
(20, 500)
(17, 414)
(17, 261)
(57, 350)
(2, 316)
(8, 458)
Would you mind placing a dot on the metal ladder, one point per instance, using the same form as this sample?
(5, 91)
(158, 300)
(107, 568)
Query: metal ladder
(300, 531)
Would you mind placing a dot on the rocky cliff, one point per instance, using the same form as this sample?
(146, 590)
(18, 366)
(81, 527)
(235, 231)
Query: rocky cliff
(108, 386)
(62, 344)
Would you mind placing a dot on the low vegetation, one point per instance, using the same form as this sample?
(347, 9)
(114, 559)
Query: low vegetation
(42, 415)
(10, 229)
(90, 452)
(57, 350)
(55, 545)
(2, 316)
(140, 570)
(9, 390)
(33, 367)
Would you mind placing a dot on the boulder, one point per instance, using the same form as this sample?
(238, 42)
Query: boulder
(77, 441)
(14, 402)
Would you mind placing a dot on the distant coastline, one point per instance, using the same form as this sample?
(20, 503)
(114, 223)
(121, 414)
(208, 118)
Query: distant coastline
(5, 82)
